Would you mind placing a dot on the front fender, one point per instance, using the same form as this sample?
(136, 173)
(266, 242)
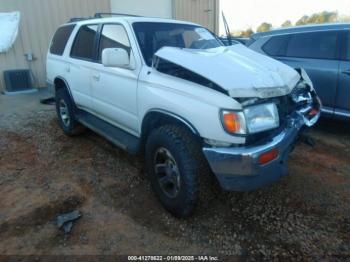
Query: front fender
(200, 106)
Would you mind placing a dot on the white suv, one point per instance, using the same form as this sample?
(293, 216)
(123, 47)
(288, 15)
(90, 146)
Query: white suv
(171, 90)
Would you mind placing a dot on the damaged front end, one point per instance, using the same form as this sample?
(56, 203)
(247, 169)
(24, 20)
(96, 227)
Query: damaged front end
(275, 104)
(305, 98)
(263, 158)
(301, 101)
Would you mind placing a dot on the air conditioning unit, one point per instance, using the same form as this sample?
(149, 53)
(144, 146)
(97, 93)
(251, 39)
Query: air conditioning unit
(17, 80)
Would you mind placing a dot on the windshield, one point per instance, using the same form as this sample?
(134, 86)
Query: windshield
(153, 36)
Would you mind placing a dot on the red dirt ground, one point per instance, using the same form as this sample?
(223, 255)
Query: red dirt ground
(43, 173)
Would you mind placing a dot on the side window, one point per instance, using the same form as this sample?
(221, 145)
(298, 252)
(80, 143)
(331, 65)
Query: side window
(276, 46)
(318, 45)
(83, 47)
(114, 36)
(60, 39)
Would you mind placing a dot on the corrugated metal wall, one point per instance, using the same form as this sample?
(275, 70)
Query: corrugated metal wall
(39, 20)
(203, 12)
(154, 8)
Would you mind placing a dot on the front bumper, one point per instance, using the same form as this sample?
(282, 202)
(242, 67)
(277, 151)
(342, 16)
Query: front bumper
(238, 169)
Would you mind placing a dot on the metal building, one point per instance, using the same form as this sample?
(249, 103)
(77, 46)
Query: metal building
(40, 19)
(204, 12)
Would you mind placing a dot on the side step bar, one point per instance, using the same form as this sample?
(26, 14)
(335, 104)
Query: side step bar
(112, 133)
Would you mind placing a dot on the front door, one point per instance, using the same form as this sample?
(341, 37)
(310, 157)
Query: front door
(114, 90)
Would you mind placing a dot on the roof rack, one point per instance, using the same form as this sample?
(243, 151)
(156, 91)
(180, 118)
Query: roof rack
(77, 19)
(100, 15)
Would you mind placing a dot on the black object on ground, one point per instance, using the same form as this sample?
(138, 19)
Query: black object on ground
(48, 101)
(308, 140)
(65, 221)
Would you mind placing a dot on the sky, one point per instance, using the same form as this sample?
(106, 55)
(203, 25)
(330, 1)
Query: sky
(243, 14)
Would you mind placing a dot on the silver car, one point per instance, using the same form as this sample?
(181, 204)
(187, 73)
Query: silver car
(323, 51)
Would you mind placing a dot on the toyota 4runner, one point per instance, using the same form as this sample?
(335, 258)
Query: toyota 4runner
(171, 90)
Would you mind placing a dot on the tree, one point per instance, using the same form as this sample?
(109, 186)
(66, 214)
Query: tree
(246, 33)
(319, 18)
(264, 27)
(323, 17)
(242, 33)
(303, 20)
(287, 23)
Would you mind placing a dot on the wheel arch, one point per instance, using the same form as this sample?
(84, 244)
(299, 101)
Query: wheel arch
(157, 117)
(60, 83)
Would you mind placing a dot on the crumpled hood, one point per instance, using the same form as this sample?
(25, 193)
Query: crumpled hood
(237, 69)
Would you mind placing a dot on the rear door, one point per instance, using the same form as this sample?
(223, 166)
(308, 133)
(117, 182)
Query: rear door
(82, 58)
(56, 62)
(317, 53)
(342, 106)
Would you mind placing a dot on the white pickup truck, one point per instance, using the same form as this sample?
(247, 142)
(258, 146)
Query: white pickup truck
(171, 90)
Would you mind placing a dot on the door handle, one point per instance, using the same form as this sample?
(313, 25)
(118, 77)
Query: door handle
(346, 72)
(96, 77)
(67, 68)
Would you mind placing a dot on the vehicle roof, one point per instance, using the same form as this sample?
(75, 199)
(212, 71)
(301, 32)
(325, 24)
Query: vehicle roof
(304, 29)
(129, 19)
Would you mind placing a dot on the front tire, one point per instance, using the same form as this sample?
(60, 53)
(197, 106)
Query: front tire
(65, 110)
(174, 161)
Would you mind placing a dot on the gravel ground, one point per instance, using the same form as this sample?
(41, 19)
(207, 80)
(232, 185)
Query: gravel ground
(43, 173)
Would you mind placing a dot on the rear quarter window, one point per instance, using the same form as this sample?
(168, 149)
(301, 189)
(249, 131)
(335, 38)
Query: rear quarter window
(60, 39)
(276, 45)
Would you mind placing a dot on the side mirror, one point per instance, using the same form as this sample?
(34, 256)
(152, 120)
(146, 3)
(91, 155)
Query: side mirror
(115, 57)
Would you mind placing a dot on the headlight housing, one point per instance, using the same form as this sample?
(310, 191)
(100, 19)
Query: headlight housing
(251, 120)
(261, 117)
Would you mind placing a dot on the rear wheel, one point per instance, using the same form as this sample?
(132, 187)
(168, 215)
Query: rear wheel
(65, 111)
(174, 161)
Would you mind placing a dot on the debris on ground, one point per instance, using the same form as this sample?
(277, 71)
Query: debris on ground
(48, 101)
(65, 221)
